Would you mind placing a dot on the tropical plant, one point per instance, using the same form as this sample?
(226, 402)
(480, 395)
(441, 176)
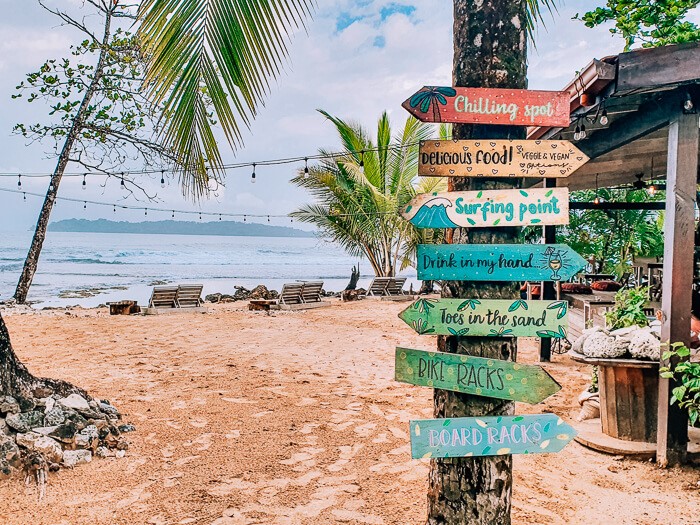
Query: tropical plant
(651, 22)
(98, 118)
(359, 193)
(222, 52)
(614, 237)
(628, 309)
(687, 377)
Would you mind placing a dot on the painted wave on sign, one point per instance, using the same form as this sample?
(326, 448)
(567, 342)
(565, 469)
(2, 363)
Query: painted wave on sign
(432, 214)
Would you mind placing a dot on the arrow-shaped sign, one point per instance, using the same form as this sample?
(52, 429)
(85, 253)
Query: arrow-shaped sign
(488, 317)
(498, 262)
(499, 158)
(540, 206)
(475, 375)
(489, 436)
(514, 107)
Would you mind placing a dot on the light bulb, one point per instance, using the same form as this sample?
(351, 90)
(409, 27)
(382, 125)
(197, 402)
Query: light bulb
(604, 118)
(652, 190)
(162, 181)
(596, 201)
(84, 183)
(19, 181)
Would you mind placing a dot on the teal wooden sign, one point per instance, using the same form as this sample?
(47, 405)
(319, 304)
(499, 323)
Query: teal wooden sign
(489, 436)
(488, 317)
(524, 207)
(498, 262)
(474, 375)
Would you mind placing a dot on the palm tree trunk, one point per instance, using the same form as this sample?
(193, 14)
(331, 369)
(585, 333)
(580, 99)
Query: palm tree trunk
(489, 51)
(32, 260)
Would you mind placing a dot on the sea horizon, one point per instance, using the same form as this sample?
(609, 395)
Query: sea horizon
(88, 269)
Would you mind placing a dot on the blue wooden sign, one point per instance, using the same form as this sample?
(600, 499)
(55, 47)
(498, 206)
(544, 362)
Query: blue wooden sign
(498, 262)
(489, 436)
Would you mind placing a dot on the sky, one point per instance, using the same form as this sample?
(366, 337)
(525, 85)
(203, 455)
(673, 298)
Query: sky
(356, 59)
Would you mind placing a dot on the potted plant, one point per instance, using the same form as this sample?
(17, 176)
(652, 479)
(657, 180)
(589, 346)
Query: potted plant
(687, 375)
(629, 309)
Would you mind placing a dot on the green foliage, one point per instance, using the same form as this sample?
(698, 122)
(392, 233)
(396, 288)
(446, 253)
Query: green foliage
(357, 206)
(628, 309)
(94, 98)
(219, 51)
(614, 237)
(652, 22)
(686, 374)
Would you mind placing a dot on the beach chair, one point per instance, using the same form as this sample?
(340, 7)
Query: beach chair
(163, 297)
(291, 293)
(395, 286)
(377, 288)
(311, 291)
(189, 295)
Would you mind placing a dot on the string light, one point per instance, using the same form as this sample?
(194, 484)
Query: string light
(19, 181)
(24, 196)
(596, 201)
(162, 179)
(244, 218)
(252, 177)
(268, 218)
(306, 167)
(145, 211)
(362, 159)
(582, 134)
(577, 132)
(173, 215)
(122, 183)
(114, 206)
(85, 205)
(604, 117)
(84, 182)
(219, 216)
(268, 162)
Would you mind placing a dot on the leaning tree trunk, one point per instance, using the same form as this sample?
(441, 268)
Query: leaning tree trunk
(489, 51)
(32, 260)
(18, 382)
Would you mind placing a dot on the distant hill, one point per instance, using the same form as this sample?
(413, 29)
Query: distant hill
(225, 228)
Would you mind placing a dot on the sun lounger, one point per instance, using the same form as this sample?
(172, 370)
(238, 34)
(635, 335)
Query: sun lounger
(291, 293)
(395, 286)
(377, 287)
(189, 295)
(163, 297)
(311, 291)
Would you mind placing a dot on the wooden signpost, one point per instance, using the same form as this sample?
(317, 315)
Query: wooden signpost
(460, 105)
(489, 436)
(475, 375)
(498, 262)
(499, 158)
(488, 317)
(541, 206)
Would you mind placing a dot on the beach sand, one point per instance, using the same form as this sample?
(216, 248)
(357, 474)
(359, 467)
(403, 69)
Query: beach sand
(292, 418)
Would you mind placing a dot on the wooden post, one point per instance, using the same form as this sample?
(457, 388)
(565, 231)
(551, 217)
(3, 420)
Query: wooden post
(682, 169)
(548, 291)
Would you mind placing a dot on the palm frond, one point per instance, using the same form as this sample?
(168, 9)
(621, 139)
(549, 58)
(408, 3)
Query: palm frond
(218, 54)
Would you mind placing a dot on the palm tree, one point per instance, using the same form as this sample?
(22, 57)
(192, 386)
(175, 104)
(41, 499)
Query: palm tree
(359, 193)
(213, 53)
(489, 51)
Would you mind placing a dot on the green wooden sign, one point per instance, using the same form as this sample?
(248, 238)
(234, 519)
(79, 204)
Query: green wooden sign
(488, 317)
(489, 436)
(475, 375)
(498, 262)
(524, 207)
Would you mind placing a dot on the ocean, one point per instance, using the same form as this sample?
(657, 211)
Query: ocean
(89, 269)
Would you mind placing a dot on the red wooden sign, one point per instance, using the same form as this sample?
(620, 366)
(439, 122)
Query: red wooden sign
(515, 107)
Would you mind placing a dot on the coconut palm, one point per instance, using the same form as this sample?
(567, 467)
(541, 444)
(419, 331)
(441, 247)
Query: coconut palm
(359, 193)
(218, 54)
